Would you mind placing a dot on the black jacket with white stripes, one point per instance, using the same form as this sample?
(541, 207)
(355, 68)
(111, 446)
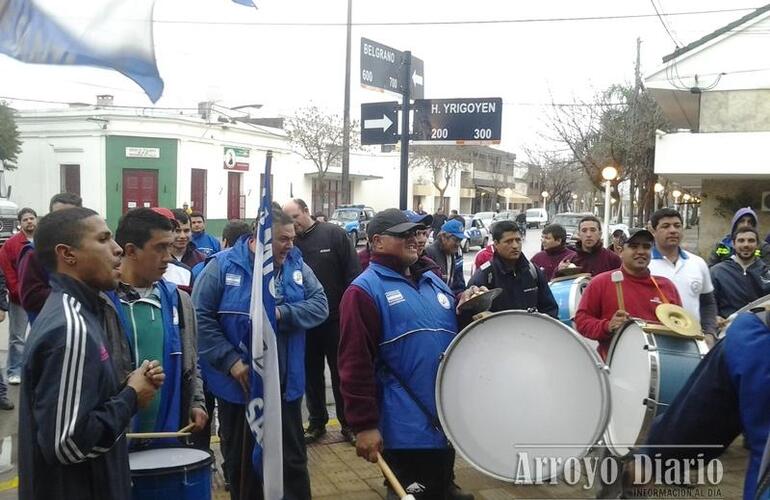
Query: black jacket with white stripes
(73, 409)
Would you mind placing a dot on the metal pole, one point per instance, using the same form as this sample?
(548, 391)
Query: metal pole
(607, 199)
(346, 116)
(404, 181)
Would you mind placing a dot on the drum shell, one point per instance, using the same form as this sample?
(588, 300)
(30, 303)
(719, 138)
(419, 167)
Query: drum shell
(670, 360)
(474, 427)
(567, 292)
(190, 481)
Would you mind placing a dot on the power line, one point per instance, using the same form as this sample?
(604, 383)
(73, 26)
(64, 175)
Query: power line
(455, 22)
(665, 26)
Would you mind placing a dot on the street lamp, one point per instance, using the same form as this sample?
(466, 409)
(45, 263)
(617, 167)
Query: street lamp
(608, 174)
(574, 201)
(545, 196)
(687, 199)
(658, 189)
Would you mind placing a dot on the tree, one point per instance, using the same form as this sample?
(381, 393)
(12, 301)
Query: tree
(617, 128)
(317, 137)
(442, 163)
(10, 145)
(560, 176)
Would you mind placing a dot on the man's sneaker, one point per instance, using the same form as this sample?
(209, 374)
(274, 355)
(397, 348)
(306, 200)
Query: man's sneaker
(6, 404)
(313, 434)
(14, 379)
(349, 435)
(456, 493)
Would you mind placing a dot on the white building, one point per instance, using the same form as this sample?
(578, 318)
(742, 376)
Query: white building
(716, 92)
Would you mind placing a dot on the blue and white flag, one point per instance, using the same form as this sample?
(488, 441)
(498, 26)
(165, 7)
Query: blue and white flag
(264, 409)
(113, 34)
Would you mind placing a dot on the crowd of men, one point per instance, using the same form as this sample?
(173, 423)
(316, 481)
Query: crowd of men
(147, 329)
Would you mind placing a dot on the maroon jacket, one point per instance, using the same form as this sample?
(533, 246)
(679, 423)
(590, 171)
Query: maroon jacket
(596, 261)
(33, 283)
(548, 260)
(9, 263)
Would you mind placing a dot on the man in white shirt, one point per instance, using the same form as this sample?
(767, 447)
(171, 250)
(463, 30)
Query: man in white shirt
(689, 272)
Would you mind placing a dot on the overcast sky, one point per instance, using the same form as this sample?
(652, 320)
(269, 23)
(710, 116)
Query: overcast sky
(215, 49)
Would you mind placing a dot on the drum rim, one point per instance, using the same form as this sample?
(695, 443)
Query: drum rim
(601, 371)
(653, 388)
(561, 279)
(167, 470)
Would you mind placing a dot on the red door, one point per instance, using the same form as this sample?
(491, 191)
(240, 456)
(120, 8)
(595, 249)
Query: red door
(140, 189)
(198, 190)
(70, 179)
(233, 195)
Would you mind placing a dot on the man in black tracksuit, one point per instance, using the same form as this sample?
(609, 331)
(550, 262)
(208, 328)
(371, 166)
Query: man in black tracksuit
(330, 254)
(73, 408)
(524, 285)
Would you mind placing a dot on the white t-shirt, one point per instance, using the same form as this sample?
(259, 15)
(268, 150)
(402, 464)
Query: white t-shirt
(690, 274)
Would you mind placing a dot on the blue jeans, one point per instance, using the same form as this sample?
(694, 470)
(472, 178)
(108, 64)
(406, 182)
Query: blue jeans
(3, 387)
(17, 330)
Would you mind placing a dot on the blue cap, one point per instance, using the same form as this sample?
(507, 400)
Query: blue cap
(416, 218)
(454, 228)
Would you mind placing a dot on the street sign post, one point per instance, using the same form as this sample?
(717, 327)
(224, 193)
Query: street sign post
(462, 121)
(381, 66)
(379, 123)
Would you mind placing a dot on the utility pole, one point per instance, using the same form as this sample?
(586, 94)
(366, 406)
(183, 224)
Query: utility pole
(405, 106)
(634, 130)
(346, 115)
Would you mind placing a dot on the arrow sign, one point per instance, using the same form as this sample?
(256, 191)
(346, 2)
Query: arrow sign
(462, 121)
(417, 79)
(379, 119)
(384, 123)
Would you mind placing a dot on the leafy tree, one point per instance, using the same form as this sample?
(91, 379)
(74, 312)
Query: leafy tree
(10, 145)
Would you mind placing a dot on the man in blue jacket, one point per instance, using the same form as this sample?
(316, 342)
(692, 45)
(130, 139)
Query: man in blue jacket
(727, 395)
(207, 244)
(397, 319)
(445, 251)
(222, 297)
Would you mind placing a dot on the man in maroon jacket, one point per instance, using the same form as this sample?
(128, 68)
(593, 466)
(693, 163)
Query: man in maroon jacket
(33, 279)
(17, 318)
(600, 317)
(591, 256)
(555, 253)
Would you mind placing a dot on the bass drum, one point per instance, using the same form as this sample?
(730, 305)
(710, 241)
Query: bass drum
(649, 365)
(517, 386)
(760, 303)
(567, 291)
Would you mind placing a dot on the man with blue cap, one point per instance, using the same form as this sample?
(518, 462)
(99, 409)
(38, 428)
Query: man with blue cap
(445, 251)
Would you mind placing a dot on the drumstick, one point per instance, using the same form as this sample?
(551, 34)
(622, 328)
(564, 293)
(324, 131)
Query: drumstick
(392, 479)
(617, 278)
(155, 435)
(187, 428)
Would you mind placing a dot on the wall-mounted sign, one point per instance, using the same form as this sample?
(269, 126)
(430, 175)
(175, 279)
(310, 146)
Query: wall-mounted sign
(134, 152)
(236, 159)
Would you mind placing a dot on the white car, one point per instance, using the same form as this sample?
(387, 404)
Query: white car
(486, 217)
(537, 217)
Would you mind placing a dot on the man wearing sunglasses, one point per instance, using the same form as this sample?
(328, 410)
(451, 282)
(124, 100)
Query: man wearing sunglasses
(396, 319)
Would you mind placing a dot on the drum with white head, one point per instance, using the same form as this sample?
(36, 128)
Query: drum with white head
(518, 386)
(649, 365)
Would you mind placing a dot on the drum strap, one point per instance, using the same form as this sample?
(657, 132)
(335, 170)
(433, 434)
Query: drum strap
(433, 419)
(662, 295)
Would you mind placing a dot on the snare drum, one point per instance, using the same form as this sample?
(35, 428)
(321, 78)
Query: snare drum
(567, 291)
(171, 473)
(649, 365)
(516, 385)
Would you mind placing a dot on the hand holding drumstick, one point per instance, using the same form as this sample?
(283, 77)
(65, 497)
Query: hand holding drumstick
(620, 316)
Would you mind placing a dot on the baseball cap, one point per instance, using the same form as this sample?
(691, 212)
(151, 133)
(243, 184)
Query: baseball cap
(391, 221)
(639, 234)
(165, 212)
(455, 228)
(413, 216)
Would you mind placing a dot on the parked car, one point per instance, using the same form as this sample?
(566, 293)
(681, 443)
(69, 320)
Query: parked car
(476, 233)
(510, 215)
(486, 217)
(569, 221)
(537, 217)
(353, 219)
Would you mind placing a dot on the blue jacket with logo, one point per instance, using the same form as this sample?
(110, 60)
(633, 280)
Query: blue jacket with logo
(222, 298)
(207, 244)
(418, 323)
(728, 393)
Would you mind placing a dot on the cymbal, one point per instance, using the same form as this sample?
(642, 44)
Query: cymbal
(678, 320)
(481, 302)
